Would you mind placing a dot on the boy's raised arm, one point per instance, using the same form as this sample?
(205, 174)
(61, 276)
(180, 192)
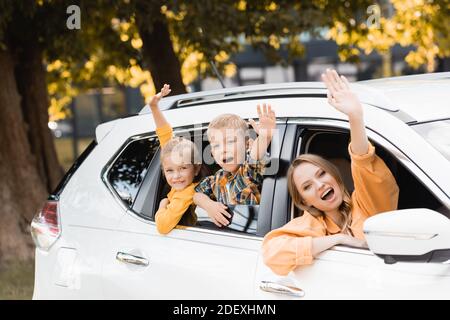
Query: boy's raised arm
(265, 130)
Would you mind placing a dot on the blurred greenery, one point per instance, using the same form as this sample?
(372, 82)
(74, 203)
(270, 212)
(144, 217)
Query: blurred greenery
(17, 280)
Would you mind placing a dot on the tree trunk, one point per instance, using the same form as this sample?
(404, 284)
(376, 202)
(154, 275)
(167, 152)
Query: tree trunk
(22, 190)
(32, 86)
(158, 51)
(386, 58)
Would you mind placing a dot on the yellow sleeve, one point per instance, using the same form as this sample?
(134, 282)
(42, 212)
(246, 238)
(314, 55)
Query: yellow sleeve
(375, 187)
(167, 218)
(290, 246)
(164, 133)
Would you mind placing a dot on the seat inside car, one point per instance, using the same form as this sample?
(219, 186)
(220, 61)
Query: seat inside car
(333, 146)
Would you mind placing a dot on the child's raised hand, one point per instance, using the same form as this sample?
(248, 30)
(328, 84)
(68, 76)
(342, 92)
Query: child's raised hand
(164, 92)
(267, 121)
(339, 94)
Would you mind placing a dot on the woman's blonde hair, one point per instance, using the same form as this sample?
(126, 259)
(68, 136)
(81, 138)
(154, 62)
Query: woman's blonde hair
(346, 205)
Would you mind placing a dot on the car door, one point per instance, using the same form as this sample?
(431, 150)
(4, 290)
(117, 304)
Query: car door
(187, 263)
(343, 272)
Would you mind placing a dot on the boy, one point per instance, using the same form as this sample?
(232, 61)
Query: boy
(242, 163)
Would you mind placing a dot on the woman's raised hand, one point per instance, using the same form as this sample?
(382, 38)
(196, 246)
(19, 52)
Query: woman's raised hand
(339, 94)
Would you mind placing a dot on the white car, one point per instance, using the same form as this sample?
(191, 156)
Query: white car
(96, 237)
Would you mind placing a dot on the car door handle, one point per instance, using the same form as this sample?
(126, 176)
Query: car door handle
(131, 259)
(274, 287)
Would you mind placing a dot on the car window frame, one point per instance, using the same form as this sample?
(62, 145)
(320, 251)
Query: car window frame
(108, 166)
(298, 125)
(378, 138)
(155, 165)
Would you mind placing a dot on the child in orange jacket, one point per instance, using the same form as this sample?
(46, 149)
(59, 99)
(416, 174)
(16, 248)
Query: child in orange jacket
(331, 215)
(181, 165)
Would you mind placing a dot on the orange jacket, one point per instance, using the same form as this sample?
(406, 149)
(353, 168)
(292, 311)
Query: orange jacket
(179, 201)
(375, 191)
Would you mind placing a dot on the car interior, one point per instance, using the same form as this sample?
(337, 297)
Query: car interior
(333, 145)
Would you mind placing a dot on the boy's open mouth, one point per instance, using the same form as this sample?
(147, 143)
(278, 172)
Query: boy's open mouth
(327, 194)
(228, 160)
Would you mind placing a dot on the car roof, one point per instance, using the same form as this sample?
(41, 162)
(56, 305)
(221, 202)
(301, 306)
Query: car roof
(425, 97)
(416, 98)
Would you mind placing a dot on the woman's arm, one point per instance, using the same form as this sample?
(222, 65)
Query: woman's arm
(298, 242)
(344, 100)
(321, 244)
(375, 187)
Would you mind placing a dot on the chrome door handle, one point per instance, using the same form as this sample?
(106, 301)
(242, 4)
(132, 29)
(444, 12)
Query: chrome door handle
(129, 258)
(274, 287)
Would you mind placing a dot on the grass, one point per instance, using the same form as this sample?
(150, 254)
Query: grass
(17, 280)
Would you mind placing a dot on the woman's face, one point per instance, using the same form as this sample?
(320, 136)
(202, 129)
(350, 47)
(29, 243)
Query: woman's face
(178, 170)
(317, 187)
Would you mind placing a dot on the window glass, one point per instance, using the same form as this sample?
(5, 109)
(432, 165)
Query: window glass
(129, 169)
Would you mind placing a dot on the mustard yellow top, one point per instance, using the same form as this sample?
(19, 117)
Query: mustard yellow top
(165, 133)
(375, 191)
(179, 201)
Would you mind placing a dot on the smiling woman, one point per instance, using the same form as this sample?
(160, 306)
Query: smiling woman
(331, 215)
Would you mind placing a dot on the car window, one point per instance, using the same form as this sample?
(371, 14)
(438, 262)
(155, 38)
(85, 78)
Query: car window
(129, 168)
(332, 144)
(244, 219)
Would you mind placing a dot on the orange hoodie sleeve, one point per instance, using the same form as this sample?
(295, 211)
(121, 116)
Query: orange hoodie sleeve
(290, 246)
(165, 133)
(375, 187)
(167, 218)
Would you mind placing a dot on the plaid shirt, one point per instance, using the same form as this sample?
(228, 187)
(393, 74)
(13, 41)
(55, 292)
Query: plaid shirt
(241, 187)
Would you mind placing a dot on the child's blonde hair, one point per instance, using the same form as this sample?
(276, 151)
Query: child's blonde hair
(178, 145)
(346, 205)
(228, 121)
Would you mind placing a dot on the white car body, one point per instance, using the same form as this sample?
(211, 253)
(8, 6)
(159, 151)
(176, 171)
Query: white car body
(197, 263)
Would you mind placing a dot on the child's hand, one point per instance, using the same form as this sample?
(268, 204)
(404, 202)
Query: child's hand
(339, 94)
(164, 203)
(267, 121)
(164, 92)
(217, 212)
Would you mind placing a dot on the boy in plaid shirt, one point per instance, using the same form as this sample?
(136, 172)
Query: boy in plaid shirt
(242, 163)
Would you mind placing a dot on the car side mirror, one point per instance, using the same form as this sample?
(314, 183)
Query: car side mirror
(409, 235)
